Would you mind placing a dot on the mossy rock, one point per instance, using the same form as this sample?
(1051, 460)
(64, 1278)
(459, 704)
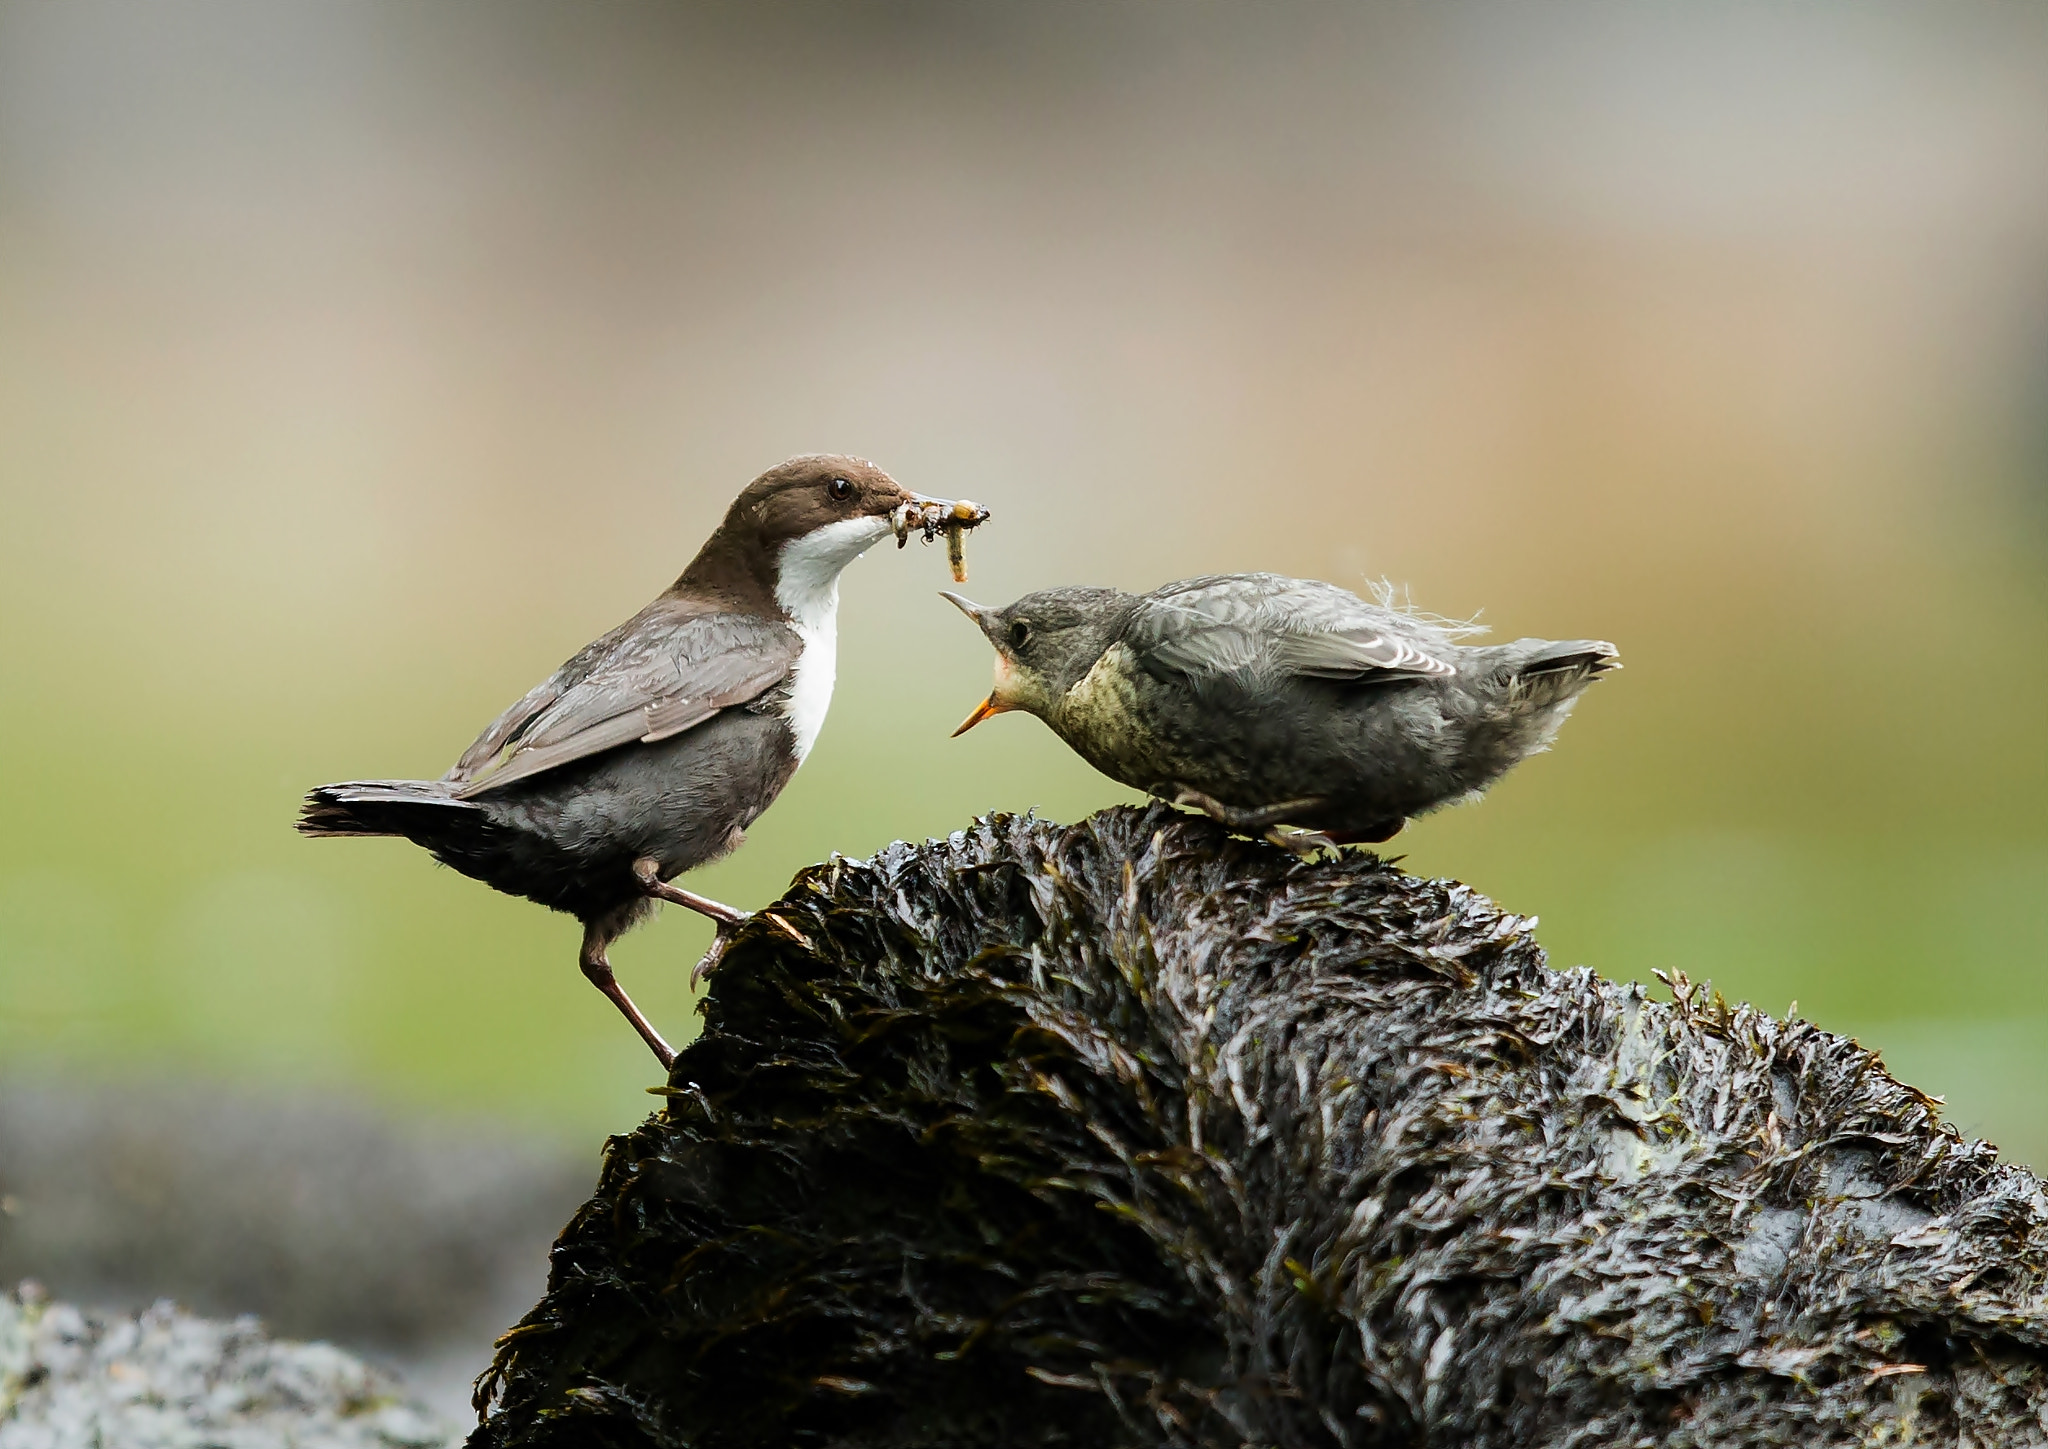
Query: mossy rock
(1133, 1133)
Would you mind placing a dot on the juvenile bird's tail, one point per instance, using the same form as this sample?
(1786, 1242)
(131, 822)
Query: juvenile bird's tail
(417, 809)
(1590, 657)
(1545, 676)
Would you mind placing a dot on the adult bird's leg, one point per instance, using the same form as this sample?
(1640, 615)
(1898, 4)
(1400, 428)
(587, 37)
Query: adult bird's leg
(1263, 822)
(596, 938)
(648, 871)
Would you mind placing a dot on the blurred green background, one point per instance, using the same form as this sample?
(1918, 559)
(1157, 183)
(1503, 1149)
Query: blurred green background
(358, 362)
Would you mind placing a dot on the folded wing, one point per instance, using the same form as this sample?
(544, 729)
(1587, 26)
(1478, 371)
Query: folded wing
(658, 674)
(1265, 622)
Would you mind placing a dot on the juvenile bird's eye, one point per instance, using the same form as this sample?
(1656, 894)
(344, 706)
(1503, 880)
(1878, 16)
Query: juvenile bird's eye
(840, 488)
(1020, 634)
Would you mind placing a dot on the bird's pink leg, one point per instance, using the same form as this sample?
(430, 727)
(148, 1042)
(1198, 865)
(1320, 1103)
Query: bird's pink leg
(599, 971)
(648, 871)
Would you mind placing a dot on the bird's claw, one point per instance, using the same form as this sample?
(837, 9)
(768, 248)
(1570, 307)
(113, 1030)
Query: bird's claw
(710, 959)
(1300, 842)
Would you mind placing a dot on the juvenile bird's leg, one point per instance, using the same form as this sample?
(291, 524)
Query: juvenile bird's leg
(648, 871)
(1263, 822)
(597, 936)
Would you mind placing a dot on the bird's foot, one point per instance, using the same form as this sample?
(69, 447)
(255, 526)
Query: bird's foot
(712, 957)
(1299, 842)
(648, 872)
(1261, 822)
(709, 961)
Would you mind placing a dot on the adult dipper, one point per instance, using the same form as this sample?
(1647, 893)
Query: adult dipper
(653, 749)
(1263, 700)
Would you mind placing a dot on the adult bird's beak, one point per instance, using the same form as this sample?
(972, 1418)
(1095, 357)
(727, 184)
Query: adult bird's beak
(935, 516)
(932, 514)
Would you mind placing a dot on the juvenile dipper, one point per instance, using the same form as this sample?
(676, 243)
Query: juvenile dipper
(652, 751)
(1263, 700)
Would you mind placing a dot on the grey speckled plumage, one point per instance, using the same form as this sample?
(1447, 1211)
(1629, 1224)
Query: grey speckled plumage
(651, 751)
(1266, 700)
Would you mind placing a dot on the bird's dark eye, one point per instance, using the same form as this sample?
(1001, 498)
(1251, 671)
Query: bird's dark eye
(840, 488)
(1020, 634)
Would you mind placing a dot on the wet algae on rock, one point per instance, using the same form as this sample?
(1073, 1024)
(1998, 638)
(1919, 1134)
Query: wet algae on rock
(1131, 1133)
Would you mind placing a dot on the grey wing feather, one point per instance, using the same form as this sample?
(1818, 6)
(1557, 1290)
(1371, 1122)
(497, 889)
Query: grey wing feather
(652, 678)
(1352, 652)
(1220, 624)
(491, 743)
(516, 721)
(1199, 651)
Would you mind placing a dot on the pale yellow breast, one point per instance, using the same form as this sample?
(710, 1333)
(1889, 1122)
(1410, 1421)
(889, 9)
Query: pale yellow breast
(1104, 721)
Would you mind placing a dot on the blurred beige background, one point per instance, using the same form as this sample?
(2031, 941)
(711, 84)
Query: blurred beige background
(358, 362)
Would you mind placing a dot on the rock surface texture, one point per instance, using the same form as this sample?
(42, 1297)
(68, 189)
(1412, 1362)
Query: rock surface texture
(167, 1380)
(1132, 1133)
(322, 1216)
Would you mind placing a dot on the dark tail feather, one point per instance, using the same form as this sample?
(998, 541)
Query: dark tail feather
(1591, 657)
(411, 808)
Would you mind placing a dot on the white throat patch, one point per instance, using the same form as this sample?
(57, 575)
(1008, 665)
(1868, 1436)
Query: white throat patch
(807, 589)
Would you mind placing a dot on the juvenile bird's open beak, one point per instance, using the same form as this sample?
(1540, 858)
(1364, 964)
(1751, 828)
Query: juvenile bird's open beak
(982, 621)
(981, 712)
(968, 607)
